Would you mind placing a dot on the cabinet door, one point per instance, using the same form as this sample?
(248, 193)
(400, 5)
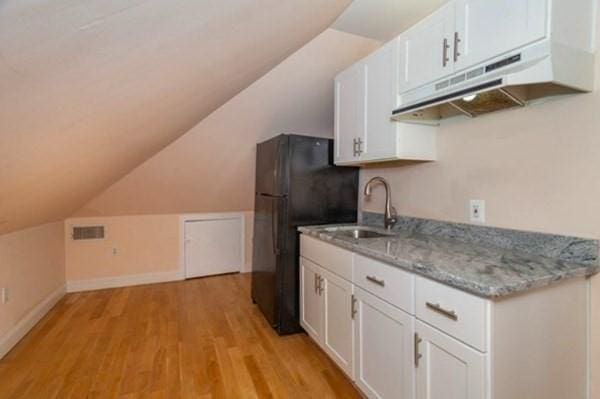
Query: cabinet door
(384, 348)
(338, 333)
(381, 91)
(311, 302)
(485, 29)
(349, 112)
(426, 50)
(447, 369)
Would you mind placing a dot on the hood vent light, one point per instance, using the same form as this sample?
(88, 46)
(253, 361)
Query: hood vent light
(489, 101)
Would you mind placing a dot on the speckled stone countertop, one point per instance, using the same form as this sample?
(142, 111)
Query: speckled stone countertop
(478, 267)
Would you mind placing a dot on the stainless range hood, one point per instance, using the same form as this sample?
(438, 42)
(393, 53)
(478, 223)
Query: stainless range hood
(511, 81)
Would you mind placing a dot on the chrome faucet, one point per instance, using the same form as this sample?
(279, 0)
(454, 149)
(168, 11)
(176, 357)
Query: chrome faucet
(390, 216)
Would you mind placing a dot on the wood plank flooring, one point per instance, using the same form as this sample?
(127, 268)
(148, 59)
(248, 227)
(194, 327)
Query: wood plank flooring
(199, 338)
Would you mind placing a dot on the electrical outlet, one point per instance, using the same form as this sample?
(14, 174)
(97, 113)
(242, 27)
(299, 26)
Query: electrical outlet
(4, 295)
(477, 211)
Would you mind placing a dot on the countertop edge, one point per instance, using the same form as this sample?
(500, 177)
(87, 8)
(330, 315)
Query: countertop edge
(473, 288)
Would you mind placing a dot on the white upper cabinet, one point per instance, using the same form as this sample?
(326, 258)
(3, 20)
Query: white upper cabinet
(365, 95)
(349, 113)
(485, 29)
(379, 140)
(426, 49)
(465, 33)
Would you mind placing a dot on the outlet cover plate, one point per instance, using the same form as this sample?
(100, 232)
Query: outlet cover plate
(477, 211)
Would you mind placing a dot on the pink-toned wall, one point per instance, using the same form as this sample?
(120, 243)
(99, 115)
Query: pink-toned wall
(32, 267)
(211, 168)
(132, 245)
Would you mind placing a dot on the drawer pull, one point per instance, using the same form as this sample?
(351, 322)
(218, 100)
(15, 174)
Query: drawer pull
(451, 314)
(375, 280)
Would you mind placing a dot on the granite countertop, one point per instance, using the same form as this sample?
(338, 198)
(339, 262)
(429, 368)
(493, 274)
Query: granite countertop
(477, 267)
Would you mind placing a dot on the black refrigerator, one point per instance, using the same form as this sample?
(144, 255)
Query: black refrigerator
(297, 184)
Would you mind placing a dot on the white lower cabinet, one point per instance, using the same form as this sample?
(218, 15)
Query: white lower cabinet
(384, 348)
(326, 313)
(338, 323)
(401, 336)
(311, 303)
(446, 368)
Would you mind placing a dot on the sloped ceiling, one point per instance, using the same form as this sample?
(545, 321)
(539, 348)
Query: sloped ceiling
(211, 167)
(90, 89)
(384, 19)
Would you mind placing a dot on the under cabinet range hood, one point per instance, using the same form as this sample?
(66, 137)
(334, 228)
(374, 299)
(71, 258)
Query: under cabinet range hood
(509, 81)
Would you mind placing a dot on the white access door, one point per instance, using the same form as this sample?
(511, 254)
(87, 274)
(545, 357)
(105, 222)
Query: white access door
(213, 246)
(485, 29)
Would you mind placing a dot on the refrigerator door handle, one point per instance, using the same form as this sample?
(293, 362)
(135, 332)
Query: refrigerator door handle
(275, 227)
(276, 171)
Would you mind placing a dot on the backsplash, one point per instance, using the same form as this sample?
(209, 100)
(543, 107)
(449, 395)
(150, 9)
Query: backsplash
(565, 248)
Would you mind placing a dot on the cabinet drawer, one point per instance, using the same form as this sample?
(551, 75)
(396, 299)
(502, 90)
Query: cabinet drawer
(385, 281)
(328, 256)
(461, 315)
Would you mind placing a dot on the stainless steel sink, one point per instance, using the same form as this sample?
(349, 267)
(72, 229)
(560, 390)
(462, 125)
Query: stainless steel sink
(357, 232)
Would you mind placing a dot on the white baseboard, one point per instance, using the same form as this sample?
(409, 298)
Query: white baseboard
(123, 281)
(16, 333)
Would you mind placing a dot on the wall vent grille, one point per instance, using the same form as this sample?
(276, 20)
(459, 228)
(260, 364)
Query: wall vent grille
(88, 232)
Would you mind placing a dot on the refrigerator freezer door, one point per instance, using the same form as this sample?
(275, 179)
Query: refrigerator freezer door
(271, 158)
(319, 192)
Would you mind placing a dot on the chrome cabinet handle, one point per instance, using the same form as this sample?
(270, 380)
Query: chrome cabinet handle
(418, 356)
(456, 41)
(360, 143)
(321, 285)
(377, 281)
(353, 307)
(451, 314)
(445, 47)
(355, 148)
(316, 283)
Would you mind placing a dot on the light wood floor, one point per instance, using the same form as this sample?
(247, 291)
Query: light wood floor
(198, 338)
